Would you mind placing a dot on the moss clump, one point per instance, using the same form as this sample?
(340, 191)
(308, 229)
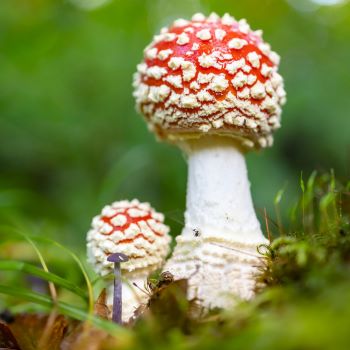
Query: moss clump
(316, 252)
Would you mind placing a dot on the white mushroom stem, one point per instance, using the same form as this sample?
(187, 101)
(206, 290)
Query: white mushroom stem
(217, 250)
(133, 296)
(219, 202)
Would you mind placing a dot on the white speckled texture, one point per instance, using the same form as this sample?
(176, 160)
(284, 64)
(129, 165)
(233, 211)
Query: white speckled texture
(219, 273)
(196, 73)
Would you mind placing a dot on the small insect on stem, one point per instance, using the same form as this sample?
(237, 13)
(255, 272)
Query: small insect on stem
(165, 279)
(196, 232)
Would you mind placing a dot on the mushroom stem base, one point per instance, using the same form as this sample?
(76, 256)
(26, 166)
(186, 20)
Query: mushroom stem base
(218, 273)
(217, 249)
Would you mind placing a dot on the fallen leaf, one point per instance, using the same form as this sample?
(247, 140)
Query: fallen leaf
(84, 337)
(100, 308)
(7, 340)
(28, 330)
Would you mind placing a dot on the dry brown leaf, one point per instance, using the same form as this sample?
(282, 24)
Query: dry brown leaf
(101, 309)
(28, 330)
(7, 340)
(84, 337)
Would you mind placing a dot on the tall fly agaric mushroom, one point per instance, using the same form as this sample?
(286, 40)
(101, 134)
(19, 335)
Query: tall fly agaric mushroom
(134, 230)
(210, 85)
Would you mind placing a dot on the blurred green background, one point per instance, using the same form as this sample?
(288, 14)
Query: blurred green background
(72, 142)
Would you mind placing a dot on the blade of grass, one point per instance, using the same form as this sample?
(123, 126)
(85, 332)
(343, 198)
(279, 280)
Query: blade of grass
(79, 263)
(309, 197)
(52, 287)
(68, 251)
(325, 202)
(11, 265)
(302, 186)
(335, 201)
(18, 232)
(277, 201)
(293, 214)
(267, 226)
(64, 308)
(50, 321)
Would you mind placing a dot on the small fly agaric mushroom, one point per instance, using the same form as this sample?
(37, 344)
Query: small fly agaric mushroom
(134, 230)
(210, 85)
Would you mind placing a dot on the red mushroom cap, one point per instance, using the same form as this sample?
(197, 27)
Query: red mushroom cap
(210, 76)
(131, 228)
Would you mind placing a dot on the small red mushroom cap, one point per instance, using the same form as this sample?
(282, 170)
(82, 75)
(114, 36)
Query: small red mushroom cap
(131, 228)
(210, 76)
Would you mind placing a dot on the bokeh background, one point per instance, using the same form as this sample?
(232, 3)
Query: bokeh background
(72, 142)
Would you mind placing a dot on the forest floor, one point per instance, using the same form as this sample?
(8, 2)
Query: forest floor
(303, 301)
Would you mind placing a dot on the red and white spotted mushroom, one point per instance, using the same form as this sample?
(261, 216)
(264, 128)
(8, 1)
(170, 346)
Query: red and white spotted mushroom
(136, 230)
(211, 86)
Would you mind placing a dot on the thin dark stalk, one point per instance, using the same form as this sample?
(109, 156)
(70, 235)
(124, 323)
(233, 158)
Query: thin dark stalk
(117, 258)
